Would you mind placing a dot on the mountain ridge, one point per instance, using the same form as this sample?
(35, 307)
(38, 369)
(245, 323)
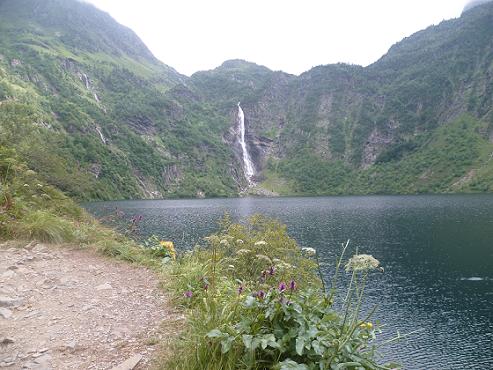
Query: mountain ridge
(114, 122)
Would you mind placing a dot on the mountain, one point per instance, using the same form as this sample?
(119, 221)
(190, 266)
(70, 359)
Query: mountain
(420, 119)
(87, 106)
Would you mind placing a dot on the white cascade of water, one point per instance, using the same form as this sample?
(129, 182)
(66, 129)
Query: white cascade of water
(103, 139)
(248, 167)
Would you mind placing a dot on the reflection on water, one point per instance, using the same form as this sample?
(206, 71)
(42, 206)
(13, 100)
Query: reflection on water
(437, 252)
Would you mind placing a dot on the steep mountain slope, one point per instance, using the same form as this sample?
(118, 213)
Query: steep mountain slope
(343, 128)
(87, 105)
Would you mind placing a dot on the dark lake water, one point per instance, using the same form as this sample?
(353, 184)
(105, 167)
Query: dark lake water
(437, 252)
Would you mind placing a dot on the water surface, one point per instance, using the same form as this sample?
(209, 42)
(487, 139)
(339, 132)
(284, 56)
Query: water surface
(437, 252)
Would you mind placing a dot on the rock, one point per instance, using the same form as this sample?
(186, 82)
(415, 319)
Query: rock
(31, 245)
(39, 248)
(5, 313)
(104, 286)
(129, 364)
(12, 267)
(70, 346)
(6, 341)
(8, 274)
(44, 361)
(6, 364)
(9, 302)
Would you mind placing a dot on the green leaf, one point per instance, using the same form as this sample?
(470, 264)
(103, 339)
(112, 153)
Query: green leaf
(292, 365)
(247, 341)
(250, 301)
(317, 348)
(226, 344)
(300, 343)
(215, 333)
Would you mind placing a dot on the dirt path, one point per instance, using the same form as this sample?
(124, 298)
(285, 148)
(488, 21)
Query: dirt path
(73, 309)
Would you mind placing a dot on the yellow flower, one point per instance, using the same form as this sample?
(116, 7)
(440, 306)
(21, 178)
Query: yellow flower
(367, 325)
(170, 247)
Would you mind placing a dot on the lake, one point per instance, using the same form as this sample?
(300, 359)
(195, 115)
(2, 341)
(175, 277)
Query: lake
(437, 252)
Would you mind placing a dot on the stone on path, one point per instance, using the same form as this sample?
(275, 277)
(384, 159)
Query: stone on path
(129, 364)
(5, 313)
(104, 286)
(9, 302)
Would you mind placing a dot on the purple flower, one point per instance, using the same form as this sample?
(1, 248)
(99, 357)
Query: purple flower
(188, 294)
(240, 289)
(282, 286)
(260, 294)
(272, 270)
(292, 285)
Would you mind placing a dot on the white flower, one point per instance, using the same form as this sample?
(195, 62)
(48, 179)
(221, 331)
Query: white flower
(264, 257)
(231, 267)
(243, 251)
(261, 242)
(309, 251)
(282, 266)
(224, 242)
(26, 185)
(239, 241)
(362, 262)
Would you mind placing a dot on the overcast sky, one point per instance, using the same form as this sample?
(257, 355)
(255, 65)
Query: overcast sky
(287, 35)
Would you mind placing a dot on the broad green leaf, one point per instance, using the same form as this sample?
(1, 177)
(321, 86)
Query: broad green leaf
(300, 343)
(215, 333)
(247, 341)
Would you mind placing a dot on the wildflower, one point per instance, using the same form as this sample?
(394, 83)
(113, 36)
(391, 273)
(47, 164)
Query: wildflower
(243, 251)
(39, 185)
(261, 242)
(239, 241)
(264, 257)
(170, 248)
(26, 185)
(240, 289)
(231, 267)
(272, 271)
(188, 294)
(366, 325)
(309, 251)
(362, 262)
(206, 287)
(292, 285)
(224, 242)
(261, 294)
(282, 286)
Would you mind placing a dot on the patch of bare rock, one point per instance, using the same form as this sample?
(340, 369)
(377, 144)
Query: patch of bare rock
(63, 308)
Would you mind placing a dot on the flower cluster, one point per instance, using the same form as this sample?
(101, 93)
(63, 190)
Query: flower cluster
(362, 262)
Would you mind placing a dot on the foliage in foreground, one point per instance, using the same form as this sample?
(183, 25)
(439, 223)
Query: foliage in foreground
(256, 302)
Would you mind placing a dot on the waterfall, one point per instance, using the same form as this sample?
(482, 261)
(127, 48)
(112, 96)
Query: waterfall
(103, 139)
(86, 81)
(248, 167)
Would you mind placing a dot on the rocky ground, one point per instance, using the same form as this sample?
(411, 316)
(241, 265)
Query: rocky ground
(63, 308)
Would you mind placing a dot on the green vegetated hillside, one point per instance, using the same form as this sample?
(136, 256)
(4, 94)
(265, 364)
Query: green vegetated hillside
(87, 107)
